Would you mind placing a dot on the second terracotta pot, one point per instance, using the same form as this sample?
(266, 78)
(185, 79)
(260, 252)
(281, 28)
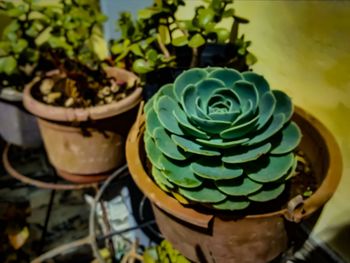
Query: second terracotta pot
(86, 144)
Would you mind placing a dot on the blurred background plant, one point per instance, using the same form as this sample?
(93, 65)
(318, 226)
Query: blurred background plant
(60, 35)
(158, 39)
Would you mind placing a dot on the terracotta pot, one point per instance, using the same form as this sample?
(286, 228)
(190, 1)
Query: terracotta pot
(18, 127)
(204, 237)
(85, 144)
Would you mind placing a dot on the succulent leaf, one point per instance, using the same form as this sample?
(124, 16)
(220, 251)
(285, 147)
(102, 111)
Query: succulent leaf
(193, 147)
(215, 170)
(188, 127)
(208, 194)
(165, 107)
(228, 76)
(246, 91)
(186, 78)
(221, 138)
(275, 125)
(238, 187)
(273, 168)
(152, 152)
(245, 154)
(283, 105)
(267, 193)
(266, 109)
(289, 139)
(179, 173)
(220, 143)
(153, 121)
(232, 204)
(160, 179)
(259, 82)
(167, 146)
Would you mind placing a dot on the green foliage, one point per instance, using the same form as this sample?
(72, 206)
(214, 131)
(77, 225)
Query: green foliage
(163, 253)
(158, 29)
(221, 138)
(42, 37)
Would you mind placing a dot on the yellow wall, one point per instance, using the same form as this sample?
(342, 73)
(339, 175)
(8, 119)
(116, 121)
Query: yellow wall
(303, 48)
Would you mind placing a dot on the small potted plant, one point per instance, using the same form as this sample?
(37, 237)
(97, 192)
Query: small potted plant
(158, 45)
(216, 153)
(84, 106)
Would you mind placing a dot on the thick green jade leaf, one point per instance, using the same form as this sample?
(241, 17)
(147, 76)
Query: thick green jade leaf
(210, 126)
(188, 77)
(193, 147)
(232, 204)
(259, 81)
(189, 96)
(220, 143)
(267, 193)
(152, 121)
(246, 91)
(283, 104)
(267, 106)
(215, 170)
(270, 169)
(228, 76)
(165, 107)
(161, 181)
(245, 154)
(241, 186)
(206, 87)
(203, 194)
(290, 139)
(187, 126)
(179, 173)
(167, 146)
(275, 126)
(153, 153)
(240, 130)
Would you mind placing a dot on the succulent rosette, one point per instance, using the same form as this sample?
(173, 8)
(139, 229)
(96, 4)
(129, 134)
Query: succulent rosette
(221, 138)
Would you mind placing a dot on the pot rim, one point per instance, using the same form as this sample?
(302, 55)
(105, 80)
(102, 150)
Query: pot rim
(60, 113)
(295, 213)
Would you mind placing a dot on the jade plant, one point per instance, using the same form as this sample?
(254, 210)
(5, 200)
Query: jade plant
(221, 138)
(158, 37)
(42, 37)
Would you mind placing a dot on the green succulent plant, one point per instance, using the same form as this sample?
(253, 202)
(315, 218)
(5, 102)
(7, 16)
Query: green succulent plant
(221, 138)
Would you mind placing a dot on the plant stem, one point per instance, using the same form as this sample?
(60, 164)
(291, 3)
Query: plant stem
(194, 60)
(163, 47)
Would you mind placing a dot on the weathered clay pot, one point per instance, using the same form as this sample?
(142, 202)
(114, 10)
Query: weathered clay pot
(17, 126)
(85, 144)
(204, 237)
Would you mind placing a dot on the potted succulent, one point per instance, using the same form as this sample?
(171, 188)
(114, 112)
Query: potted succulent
(159, 45)
(216, 153)
(84, 106)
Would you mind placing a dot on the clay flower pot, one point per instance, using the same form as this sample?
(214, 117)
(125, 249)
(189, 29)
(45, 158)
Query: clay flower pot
(85, 144)
(205, 237)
